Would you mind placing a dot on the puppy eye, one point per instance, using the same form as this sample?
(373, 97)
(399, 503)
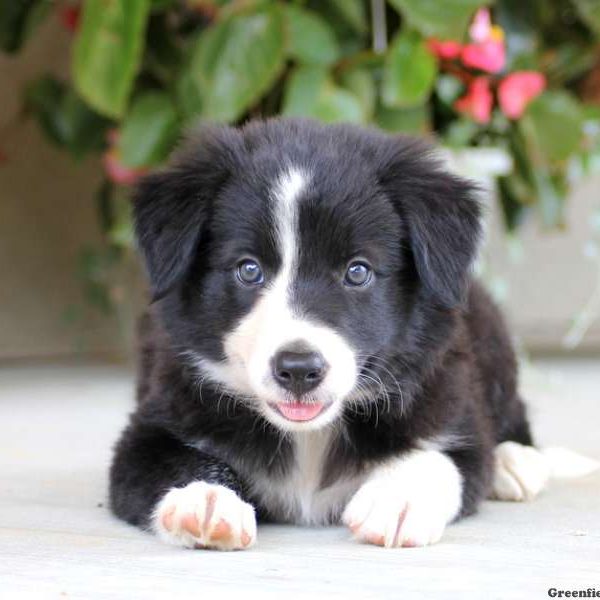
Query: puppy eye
(250, 273)
(358, 274)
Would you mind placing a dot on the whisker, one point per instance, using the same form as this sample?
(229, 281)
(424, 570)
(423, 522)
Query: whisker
(382, 364)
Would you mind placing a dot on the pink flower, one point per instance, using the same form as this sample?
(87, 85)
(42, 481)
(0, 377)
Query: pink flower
(517, 90)
(478, 101)
(114, 168)
(489, 56)
(481, 26)
(446, 50)
(117, 172)
(488, 51)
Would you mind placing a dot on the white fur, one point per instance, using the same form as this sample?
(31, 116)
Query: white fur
(406, 502)
(298, 498)
(205, 515)
(443, 441)
(273, 323)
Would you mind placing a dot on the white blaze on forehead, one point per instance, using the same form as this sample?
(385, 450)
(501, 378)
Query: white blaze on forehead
(286, 194)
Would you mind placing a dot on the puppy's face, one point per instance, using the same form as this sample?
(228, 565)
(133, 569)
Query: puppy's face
(305, 271)
(288, 272)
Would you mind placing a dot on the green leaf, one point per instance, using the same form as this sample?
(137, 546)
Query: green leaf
(121, 233)
(302, 91)
(64, 117)
(536, 143)
(553, 126)
(513, 207)
(310, 92)
(338, 105)
(189, 101)
(589, 11)
(236, 61)
(551, 197)
(18, 19)
(353, 13)
(360, 82)
(440, 18)
(414, 121)
(160, 5)
(107, 52)
(43, 98)
(148, 131)
(460, 133)
(409, 71)
(84, 129)
(311, 40)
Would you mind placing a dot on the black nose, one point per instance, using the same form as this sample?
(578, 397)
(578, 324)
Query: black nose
(298, 372)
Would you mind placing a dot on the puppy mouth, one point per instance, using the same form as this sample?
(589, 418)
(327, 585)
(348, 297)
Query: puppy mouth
(300, 411)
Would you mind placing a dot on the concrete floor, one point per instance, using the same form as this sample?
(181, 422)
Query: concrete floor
(57, 539)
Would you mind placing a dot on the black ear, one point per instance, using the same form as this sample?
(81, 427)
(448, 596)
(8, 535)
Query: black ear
(442, 216)
(171, 207)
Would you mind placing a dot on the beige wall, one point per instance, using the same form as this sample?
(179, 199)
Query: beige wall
(547, 275)
(47, 214)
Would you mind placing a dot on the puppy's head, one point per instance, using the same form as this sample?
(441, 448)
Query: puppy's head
(290, 259)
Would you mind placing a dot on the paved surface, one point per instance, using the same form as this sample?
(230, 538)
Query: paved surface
(57, 539)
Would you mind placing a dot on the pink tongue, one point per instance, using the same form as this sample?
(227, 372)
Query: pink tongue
(299, 411)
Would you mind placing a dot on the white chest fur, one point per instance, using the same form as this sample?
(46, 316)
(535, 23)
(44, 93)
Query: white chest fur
(299, 497)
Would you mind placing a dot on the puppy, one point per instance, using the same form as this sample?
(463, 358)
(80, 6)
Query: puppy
(316, 350)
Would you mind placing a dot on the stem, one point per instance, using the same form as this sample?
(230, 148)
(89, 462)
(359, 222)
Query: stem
(585, 318)
(379, 26)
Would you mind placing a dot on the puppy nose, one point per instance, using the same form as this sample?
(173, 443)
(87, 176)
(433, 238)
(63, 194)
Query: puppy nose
(298, 372)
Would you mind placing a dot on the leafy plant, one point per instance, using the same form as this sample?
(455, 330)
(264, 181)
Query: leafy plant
(522, 77)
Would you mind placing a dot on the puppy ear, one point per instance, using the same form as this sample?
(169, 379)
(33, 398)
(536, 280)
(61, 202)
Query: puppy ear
(171, 207)
(442, 216)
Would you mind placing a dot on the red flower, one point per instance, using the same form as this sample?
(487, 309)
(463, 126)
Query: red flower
(3, 157)
(478, 101)
(69, 17)
(446, 50)
(488, 51)
(517, 90)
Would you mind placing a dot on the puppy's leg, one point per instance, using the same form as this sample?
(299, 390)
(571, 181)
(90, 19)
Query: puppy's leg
(185, 496)
(408, 501)
(520, 472)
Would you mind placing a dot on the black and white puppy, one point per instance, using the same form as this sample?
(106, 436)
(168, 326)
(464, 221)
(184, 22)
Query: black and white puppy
(316, 350)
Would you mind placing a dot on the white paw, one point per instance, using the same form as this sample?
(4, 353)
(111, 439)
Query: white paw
(407, 503)
(520, 473)
(202, 515)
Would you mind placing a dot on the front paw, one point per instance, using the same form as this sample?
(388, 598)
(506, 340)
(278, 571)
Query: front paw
(407, 503)
(203, 515)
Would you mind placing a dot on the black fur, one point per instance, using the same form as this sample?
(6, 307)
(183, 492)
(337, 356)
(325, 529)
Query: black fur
(437, 331)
